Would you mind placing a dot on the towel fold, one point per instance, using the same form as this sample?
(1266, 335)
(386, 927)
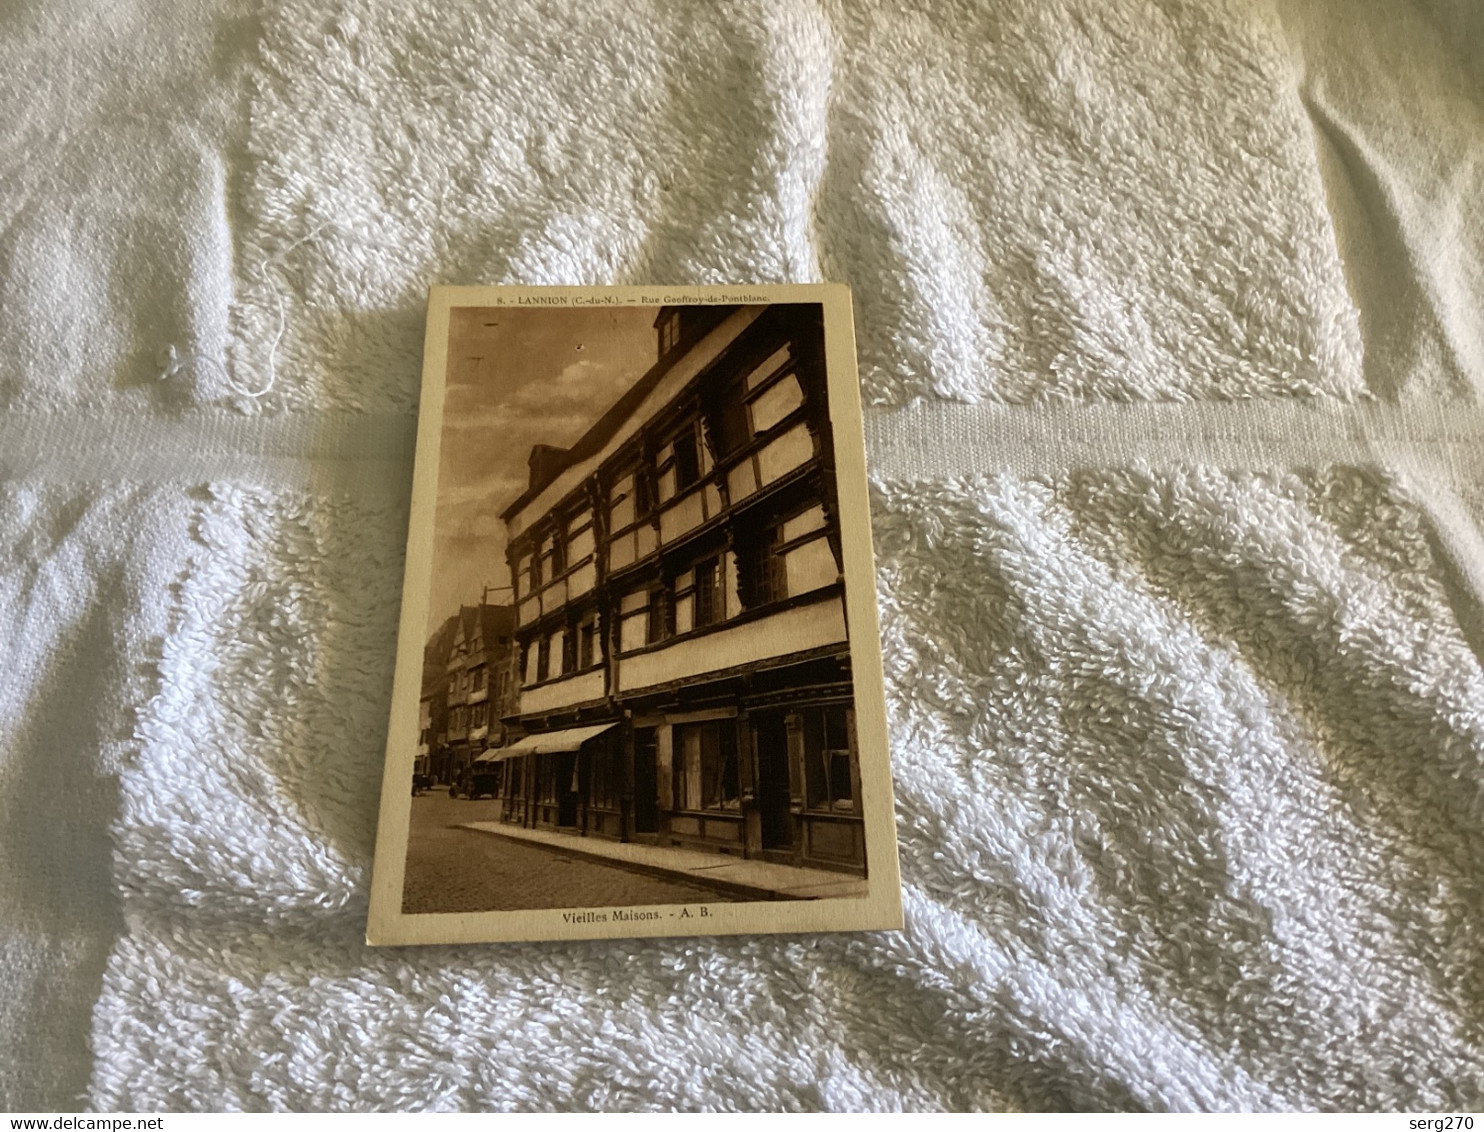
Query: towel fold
(1186, 695)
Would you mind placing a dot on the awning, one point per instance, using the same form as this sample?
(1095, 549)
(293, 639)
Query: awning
(549, 742)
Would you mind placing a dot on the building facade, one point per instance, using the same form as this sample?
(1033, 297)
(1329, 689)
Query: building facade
(682, 657)
(457, 754)
(477, 682)
(432, 743)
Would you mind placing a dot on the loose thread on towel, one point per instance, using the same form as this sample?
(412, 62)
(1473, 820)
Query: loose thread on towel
(176, 361)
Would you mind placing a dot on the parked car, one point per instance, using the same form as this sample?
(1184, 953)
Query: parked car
(421, 779)
(482, 780)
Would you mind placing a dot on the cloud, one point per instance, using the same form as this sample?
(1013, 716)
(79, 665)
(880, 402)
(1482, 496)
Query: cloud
(518, 377)
(587, 387)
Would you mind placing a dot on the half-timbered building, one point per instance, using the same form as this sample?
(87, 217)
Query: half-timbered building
(681, 647)
(477, 676)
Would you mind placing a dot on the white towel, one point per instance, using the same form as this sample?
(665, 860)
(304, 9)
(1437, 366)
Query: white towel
(1168, 315)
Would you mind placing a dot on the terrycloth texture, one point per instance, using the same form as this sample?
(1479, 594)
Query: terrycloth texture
(1186, 698)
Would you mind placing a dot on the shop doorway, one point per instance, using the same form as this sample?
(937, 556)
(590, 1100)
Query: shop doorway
(646, 781)
(566, 784)
(772, 780)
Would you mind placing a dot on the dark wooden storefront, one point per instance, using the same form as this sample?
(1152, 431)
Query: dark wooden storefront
(762, 769)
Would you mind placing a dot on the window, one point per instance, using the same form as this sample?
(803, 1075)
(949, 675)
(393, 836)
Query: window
(587, 636)
(643, 491)
(769, 582)
(706, 775)
(603, 779)
(710, 604)
(699, 596)
(551, 557)
(735, 432)
(682, 462)
(543, 659)
(548, 778)
(580, 539)
(633, 623)
(669, 331)
(621, 503)
(765, 370)
(827, 759)
(757, 402)
(630, 506)
(791, 558)
(659, 617)
(687, 460)
(644, 619)
(774, 403)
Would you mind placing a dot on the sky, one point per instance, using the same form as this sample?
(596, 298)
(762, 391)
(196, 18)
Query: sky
(517, 376)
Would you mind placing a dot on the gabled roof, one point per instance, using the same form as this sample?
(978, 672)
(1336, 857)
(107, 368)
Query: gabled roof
(463, 629)
(468, 622)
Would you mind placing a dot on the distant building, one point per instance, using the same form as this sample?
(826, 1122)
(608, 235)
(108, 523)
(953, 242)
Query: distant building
(429, 705)
(477, 678)
(432, 742)
(682, 656)
(456, 693)
(488, 664)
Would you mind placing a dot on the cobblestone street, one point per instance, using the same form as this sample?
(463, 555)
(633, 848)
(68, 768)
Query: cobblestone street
(460, 870)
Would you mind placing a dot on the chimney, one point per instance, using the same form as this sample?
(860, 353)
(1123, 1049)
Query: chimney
(545, 462)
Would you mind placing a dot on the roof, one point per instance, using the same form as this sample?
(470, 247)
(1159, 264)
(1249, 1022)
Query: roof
(594, 438)
(492, 623)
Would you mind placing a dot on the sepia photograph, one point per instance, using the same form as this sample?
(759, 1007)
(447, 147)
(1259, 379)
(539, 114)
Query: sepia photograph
(638, 624)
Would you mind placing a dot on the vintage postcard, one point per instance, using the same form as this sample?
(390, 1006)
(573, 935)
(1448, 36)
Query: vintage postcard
(638, 686)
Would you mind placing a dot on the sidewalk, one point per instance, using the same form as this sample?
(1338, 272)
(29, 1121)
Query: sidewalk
(753, 880)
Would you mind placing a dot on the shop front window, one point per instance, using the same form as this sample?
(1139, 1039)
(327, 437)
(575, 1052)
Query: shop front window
(604, 783)
(548, 774)
(706, 775)
(828, 759)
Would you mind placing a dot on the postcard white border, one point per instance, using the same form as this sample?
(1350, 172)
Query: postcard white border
(881, 908)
